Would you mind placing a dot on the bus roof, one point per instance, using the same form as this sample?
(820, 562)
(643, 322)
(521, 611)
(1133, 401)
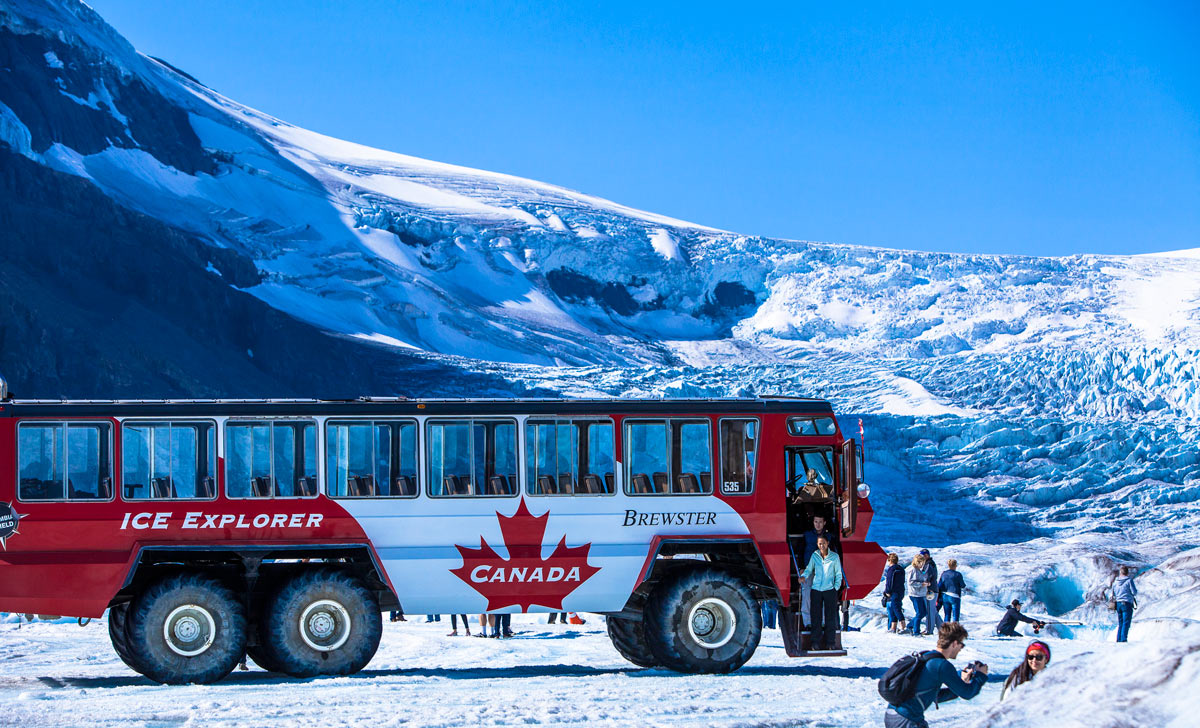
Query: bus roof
(385, 406)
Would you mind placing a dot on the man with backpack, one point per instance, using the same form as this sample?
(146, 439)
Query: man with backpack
(1124, 595)
(915, 681)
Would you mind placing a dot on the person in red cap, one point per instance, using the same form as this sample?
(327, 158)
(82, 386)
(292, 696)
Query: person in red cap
(1037, 656)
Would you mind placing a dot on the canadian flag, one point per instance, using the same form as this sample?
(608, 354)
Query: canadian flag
(524, 578)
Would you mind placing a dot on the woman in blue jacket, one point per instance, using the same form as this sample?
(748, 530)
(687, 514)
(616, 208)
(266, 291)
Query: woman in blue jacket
(893, 593)
(951, 588)
(825, 570)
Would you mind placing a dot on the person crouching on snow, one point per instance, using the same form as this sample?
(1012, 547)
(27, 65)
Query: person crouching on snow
(1037, 656)
(1012, 615)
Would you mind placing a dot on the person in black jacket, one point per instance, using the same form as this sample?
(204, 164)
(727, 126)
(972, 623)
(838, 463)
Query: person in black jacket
(819, 529)
(932, 594)
(1008, 623)
(950, 590)
(893, 593)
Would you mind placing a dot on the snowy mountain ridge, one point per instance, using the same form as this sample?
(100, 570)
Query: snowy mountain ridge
(442, 258)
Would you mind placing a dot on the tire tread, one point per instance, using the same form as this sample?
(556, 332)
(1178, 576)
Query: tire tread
(290, 655)
(629, 638)
(664, 621)
(144, 638)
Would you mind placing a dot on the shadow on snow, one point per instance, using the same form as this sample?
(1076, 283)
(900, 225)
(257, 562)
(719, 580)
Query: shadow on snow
(255, 677)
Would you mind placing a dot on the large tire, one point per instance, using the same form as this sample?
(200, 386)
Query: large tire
(702, 620)
(118, 633)
(322, 622)
(187, 628)
(262, 657)
(629, 638)
(260, 652)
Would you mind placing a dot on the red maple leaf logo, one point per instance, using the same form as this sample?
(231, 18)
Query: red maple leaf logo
(524, 578)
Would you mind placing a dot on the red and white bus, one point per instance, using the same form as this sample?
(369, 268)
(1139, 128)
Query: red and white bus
(213, 529)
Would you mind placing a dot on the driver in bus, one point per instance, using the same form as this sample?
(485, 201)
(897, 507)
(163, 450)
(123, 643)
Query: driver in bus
(812, 490)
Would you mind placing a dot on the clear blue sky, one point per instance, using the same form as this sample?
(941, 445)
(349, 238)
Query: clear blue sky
(1013, 129)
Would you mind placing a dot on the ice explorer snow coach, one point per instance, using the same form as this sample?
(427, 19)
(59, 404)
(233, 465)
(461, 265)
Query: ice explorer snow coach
(280, 529)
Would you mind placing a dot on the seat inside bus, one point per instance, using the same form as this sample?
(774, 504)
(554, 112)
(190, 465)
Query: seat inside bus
(404, 485)
(592, 484)
(662, 483)
(640, 483)
(162, 487)
(566, 484)
(687, 483)
(500, 485)
(263, 486)
(306, 486)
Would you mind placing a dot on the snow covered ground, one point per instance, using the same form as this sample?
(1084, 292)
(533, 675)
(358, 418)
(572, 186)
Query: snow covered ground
(61, 675)
(57, 674)
(1127, 685)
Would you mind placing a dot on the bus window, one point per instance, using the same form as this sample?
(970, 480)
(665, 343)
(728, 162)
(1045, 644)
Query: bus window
(692, 448)
(371, 459)
(669, 457)
(569, 457)
(472, 458)
(600, 475)
(811, 426)
(541, 458)
(649, 460)
(271, 459)
(63, 461)
(739, 445)
(168, 460)
(811, 474)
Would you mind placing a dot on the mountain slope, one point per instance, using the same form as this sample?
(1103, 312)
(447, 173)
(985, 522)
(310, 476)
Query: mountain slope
(447, 259)
(1029, 394)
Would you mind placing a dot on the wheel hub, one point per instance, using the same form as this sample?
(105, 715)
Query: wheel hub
(189, 630)
(712, 622)
(325, 625)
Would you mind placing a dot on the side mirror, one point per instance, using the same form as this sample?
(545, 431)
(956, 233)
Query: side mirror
(864, 490)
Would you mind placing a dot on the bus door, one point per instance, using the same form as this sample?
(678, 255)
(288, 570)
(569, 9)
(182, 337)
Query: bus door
(850, 472)
(810, 487)
(811, 491)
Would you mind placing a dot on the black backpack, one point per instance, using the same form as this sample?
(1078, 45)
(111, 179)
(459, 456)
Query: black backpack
(899, 684)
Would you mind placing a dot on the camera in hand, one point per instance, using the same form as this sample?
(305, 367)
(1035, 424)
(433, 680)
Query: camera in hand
(975, 665)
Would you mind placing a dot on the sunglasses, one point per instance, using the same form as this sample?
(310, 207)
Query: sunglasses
(1036, 657)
